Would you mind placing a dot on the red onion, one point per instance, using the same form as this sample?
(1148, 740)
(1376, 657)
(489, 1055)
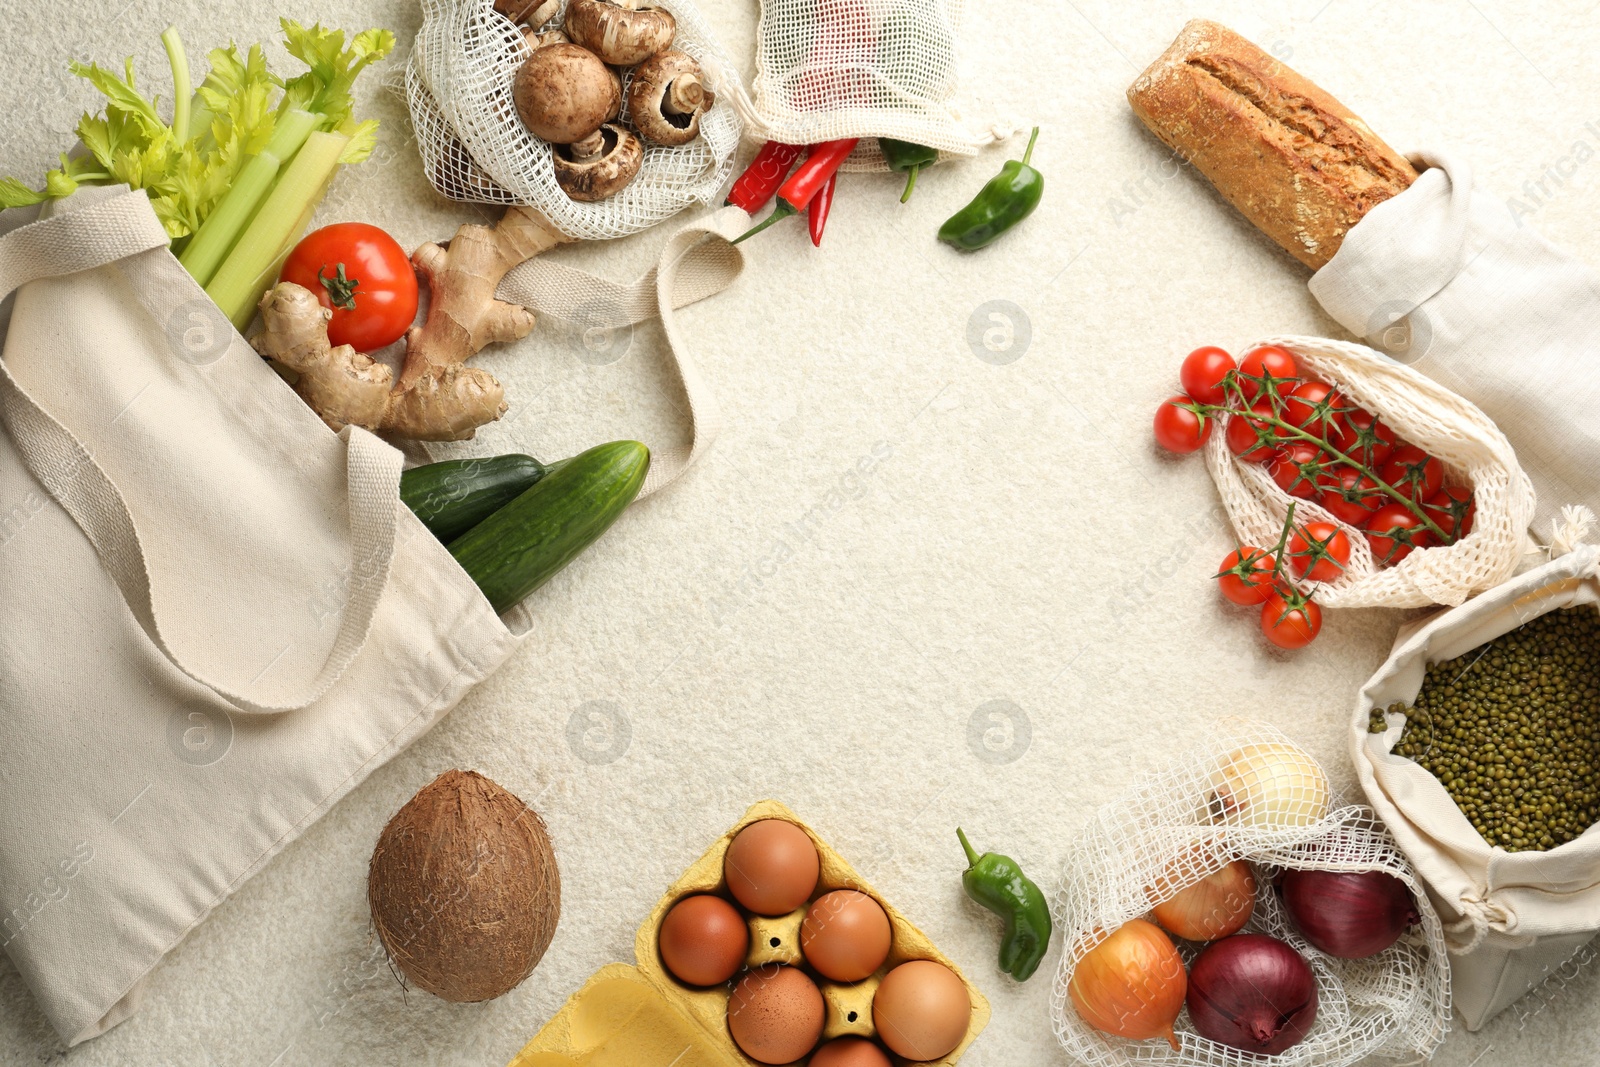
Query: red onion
(1252, 992)
(1351, 915)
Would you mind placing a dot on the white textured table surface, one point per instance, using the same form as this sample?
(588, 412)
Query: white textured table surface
(775, 626)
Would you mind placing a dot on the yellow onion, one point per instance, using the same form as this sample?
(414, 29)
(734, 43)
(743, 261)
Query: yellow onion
(1131, 984)
(1269, 786)
(1215, 906)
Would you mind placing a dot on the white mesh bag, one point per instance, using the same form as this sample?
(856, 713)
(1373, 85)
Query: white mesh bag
(475, 148)
(1168, 830)
(1424, 413)
(833, 69)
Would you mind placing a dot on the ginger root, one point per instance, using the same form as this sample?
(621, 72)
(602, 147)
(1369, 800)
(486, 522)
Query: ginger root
(437, 397)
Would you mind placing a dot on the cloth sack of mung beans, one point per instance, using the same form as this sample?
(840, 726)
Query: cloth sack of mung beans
(1478, 744)
(1246, 791)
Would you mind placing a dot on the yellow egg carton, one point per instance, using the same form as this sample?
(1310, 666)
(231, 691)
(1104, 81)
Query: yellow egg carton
(628, 1016)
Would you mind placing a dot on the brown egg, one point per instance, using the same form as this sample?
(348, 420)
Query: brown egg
(921, 1011)
(704, 940)
(849, 1052)
(771, 867)
(775, 1014)
(845, 935)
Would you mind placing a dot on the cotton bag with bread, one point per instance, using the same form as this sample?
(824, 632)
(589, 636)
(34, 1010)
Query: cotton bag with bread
(1295, 161)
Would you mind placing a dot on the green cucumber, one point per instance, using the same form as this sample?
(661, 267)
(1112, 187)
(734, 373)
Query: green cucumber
(454, 496)
(523, 545)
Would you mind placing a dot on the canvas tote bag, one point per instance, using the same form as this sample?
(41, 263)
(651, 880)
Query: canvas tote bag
(1511, 918)
(216, 618)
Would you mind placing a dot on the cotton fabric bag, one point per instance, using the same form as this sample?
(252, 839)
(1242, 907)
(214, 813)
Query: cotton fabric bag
(1511, 918)
(1395, 1005)
(218, 618)
(1427, 414)
(1455, 283)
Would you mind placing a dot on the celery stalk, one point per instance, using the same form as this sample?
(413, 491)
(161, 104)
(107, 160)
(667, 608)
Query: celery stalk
(269, 274)
(218, 233)
(180, 81)
(238, 283)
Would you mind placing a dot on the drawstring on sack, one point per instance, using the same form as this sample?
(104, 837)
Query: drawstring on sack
(1571, 529)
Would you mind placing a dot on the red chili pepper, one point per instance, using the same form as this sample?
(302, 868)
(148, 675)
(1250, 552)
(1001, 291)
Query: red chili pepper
(817, 210)
(806, 181)
(762, 177)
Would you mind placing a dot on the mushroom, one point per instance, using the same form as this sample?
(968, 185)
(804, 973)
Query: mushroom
(535, 40)
(667, 97)
(532, 12)
(621, 32)
(564, 93)
(598, 165)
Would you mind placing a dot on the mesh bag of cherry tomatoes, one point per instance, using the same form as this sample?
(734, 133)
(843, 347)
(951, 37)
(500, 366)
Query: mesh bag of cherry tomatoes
(1351, 480)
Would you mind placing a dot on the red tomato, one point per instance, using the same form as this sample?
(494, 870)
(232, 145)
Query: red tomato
(1296, 467)
(1264, 364)
(1291, 620)
(1452, 509)
(1349, 495)
(1316, 409)
(1250, 440)
(1365, 438)
(1202, 373)
(1247, 575)
(1412, 471)
(1178, 429)
(364, 276)
(1319, 551)
(1393, 531)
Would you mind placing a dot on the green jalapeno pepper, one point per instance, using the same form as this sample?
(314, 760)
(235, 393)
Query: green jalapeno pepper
(904, 157)
(998, 884)
(1006, 200)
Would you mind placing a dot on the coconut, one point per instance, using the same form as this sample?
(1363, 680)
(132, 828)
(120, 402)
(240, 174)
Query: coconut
(464, 888)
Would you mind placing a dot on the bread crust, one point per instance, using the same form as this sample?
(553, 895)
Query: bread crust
(1291, 158)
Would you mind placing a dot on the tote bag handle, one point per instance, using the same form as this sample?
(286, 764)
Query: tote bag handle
(102, 233)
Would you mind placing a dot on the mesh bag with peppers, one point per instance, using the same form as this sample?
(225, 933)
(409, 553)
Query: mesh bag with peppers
(1426, 490)
(830, 70)
(1228, 907)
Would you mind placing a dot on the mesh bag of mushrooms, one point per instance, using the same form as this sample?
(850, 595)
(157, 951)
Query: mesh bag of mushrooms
(833, 69)
(1246, 792)
(602, 114)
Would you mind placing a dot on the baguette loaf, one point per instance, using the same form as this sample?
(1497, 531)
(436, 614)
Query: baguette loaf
(1293, 159)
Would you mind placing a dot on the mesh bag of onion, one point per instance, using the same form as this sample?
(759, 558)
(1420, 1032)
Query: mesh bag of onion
(475, 148)
(1248, 794)
(1475, 454)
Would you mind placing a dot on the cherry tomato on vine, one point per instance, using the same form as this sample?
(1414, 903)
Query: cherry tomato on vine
(1179, 429)
(1316, 408)
(1250, 440)
(1412, 471)
(1296, 467)
(1247, 575)
(1452, 509)
(1319, 551)
(1349, 496)
(1290, 620)
(1267, 361)
(364, 276)
(1365, 438)
(1202, 373)
(1393, 531)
